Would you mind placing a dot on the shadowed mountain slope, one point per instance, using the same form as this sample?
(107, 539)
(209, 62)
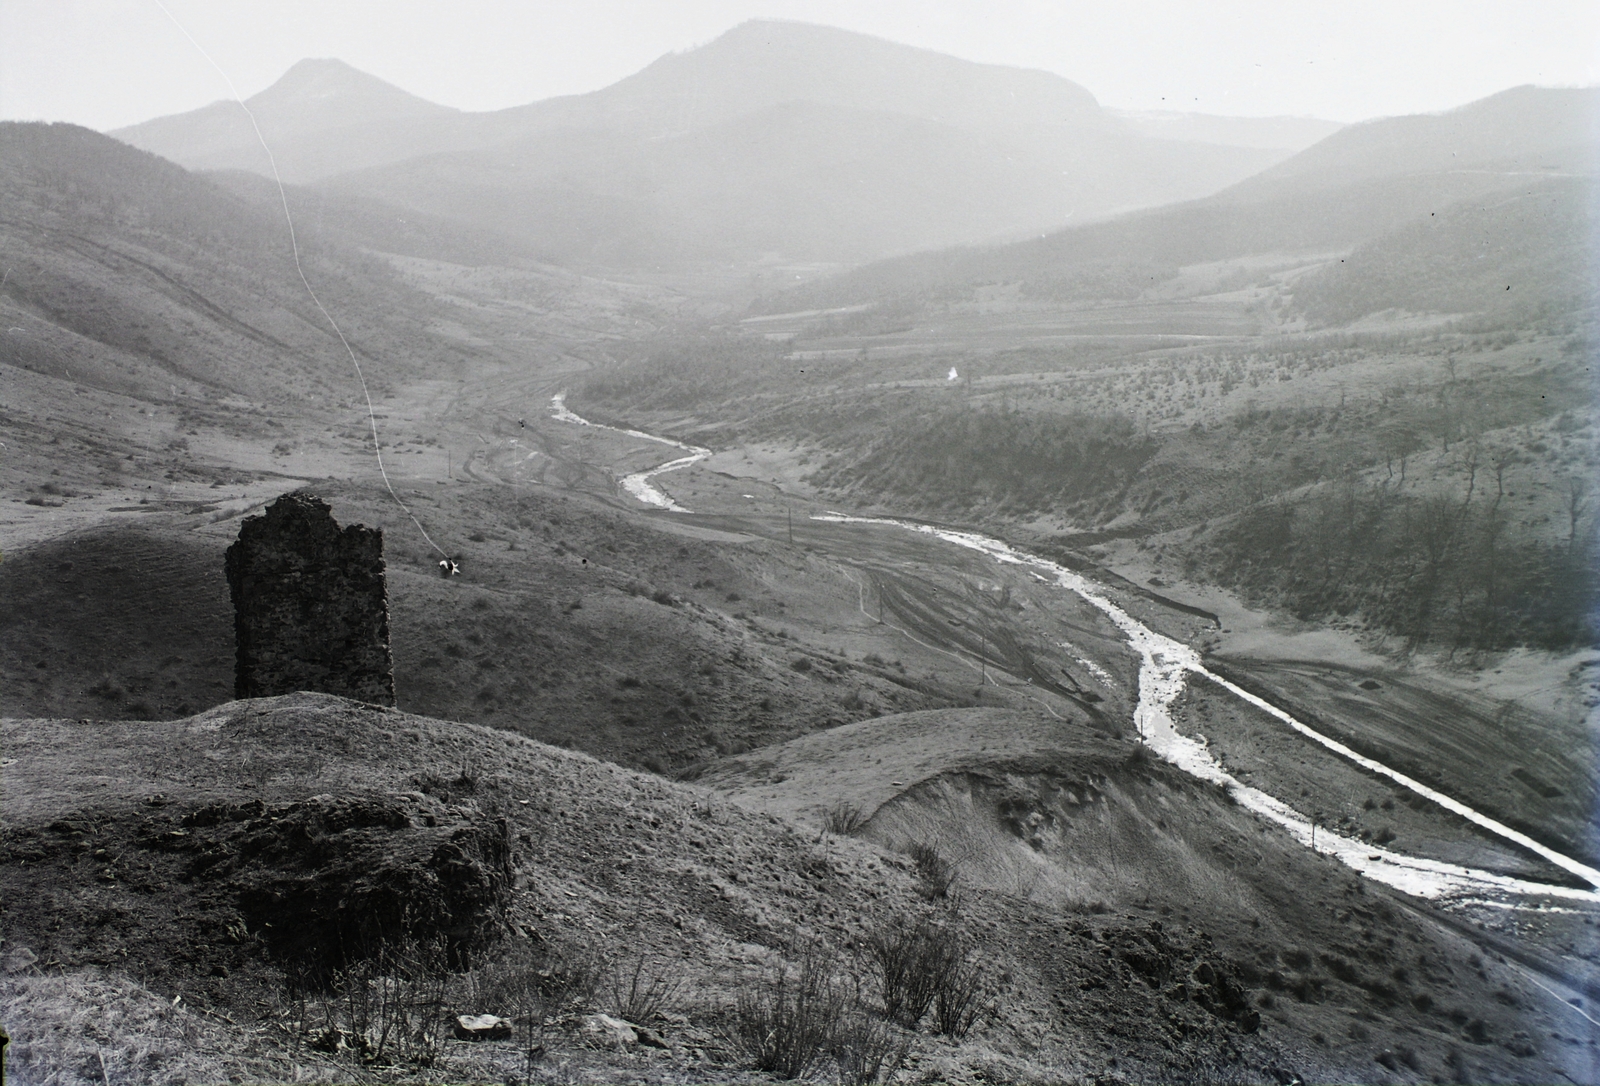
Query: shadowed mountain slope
(1523, 248)
(335, 218)
(805, 180)
(136, 276)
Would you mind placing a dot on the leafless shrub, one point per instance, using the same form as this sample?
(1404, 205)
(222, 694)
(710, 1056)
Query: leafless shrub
(386, 1007)
(642, 992)
(868, 1050)
(956, 1005)
(844, 820)
(787, 1020)
(935, 874)
(909, 957)
(923, 965)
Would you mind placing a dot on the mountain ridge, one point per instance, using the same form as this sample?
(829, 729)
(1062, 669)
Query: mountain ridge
(1520, 128)
(1347, 190)
(1010, 151)
(314, 97)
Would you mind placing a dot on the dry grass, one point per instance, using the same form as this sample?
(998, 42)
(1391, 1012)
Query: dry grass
(644, 867)
(935, 874)
(868, 1050)
(643, 990)
(101, 1029)
(787, 1021)
(845, 820)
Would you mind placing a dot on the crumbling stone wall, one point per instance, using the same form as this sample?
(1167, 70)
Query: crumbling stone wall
(310, 605)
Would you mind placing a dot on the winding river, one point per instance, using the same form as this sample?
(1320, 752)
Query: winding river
(1166, 667)
(638, 484)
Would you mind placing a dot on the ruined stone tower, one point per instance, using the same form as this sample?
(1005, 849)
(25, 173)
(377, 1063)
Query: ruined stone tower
(310, 606)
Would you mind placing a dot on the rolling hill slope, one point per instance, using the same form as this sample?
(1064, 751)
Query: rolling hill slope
(1293, 389)
(160, 352)
(1526, 249)
(1358, 185)
(198, 862)
(140, 276)
(802, 180)
(1524, 130)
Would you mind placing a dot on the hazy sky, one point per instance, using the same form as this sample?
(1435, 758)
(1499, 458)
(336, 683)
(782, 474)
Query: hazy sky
(105, 63)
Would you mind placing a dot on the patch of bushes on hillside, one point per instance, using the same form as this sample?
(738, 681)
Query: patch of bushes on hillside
(1526, 254)
(927, 965)
(1114, 279)
(681, 372)
(859, 1014)
(992, 456)
(1441, 568)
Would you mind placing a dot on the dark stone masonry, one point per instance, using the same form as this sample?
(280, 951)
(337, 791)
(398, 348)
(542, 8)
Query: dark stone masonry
(310, 605)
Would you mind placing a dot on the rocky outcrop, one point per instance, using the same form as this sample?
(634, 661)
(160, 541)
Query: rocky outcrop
(311, 609)
(333, 879)
(1184, 967)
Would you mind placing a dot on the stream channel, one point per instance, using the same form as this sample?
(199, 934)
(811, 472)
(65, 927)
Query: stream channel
(1166, 667)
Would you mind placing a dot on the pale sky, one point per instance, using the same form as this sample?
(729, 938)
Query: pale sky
(106, 63)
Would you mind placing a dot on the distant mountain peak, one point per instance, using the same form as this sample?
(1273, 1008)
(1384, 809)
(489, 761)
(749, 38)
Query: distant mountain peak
(319, 82)
(766, 62)
(321, 110)
(319, 67)
(767, 29)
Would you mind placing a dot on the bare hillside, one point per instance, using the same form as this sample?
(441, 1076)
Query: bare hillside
(180, 862)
